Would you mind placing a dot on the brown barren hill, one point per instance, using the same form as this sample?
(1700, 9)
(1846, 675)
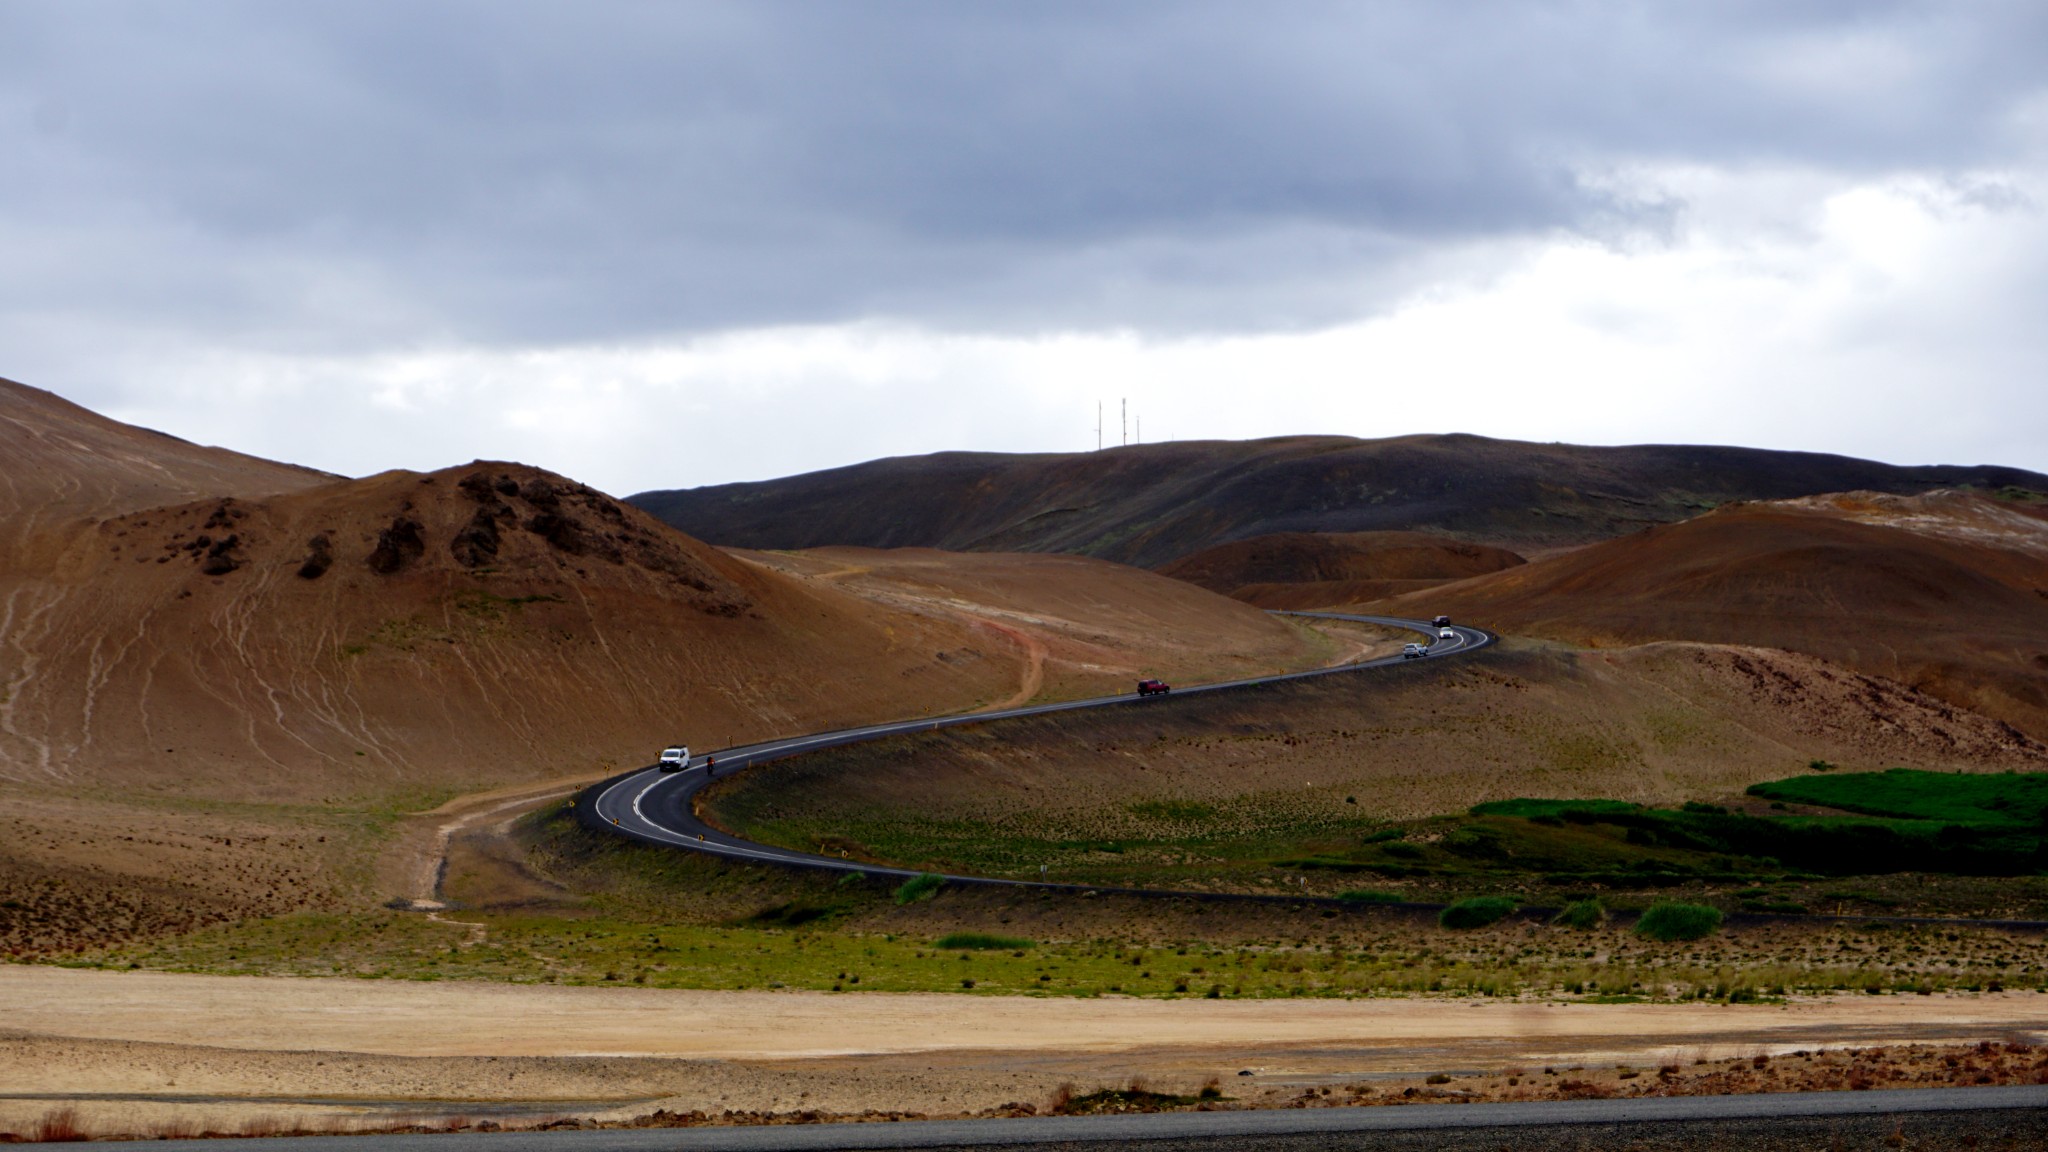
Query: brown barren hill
(1081, 626)
(1315, 569)
(478, 625)
(1947, 592)
(63, 462)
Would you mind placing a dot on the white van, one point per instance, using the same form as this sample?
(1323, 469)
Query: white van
(675, 759)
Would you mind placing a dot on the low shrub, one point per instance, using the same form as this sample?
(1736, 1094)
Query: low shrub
(920, 887)
(982, 942)
(1136, 1098)
(1476, 912)
(1675, 921)
(796, 913)
(1369, 896)
(59, 1126)
(1581, 914)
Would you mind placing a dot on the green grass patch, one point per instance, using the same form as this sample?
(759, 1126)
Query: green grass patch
(1677, 921)
(982, 942)
(1581, 914)
(1476, 912)
(1993, 827)
(921, 887)
(2004, 800)
(1370, 896)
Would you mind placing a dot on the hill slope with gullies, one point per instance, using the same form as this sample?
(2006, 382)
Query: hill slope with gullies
(1153, 503)
(63, 462)
(1947, 592)
(481, 624)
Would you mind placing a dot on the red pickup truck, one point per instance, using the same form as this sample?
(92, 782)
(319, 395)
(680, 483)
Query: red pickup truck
(1153, 687)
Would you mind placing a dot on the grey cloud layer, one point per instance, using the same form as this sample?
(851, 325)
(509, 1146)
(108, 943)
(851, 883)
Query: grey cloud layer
(345, 177)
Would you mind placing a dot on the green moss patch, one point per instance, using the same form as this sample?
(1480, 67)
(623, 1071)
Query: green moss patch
(919, 888)
(1676, 921)
(2012, 800)
(1476, 912)
(1580, 914)
(982, 942)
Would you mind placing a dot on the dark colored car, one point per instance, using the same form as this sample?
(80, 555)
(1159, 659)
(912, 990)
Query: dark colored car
(1441, 622)
(1153, 687)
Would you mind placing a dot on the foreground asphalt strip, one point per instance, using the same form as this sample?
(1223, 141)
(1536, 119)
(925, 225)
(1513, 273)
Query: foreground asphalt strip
(1165, 1125)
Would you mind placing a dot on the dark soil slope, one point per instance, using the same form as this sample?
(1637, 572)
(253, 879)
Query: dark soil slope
(1947, 592)
(1308, 569)
(1153, 503)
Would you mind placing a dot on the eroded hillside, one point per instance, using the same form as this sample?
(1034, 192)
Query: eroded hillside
(477, 625)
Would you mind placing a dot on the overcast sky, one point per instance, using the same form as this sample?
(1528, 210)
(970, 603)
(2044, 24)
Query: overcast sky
(664, 244)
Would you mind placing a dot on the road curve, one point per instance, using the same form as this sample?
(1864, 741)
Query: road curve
(656, 807)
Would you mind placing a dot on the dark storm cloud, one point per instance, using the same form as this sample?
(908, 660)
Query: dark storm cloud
(343, 177)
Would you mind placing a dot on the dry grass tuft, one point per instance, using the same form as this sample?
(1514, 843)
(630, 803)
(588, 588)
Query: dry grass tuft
(1062, 1097)
(59, 1126)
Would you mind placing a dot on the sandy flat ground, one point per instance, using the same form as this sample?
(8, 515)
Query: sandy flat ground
(133, 1050)
(455, 1019)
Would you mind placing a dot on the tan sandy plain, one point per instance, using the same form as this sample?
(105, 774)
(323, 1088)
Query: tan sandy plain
(132, 1050)
(465, 1019)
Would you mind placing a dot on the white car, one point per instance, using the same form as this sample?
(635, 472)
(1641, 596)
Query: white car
(675, 759)
(1446, 634)
(1411, 651)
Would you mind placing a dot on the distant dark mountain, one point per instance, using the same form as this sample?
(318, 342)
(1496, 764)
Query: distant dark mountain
(1152, 503)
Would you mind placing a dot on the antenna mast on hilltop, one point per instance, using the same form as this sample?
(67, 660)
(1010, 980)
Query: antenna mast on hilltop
(1098, 425)
(1124, 408)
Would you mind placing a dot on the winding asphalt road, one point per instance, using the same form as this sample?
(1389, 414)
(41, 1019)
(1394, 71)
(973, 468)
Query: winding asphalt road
(655, 807)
